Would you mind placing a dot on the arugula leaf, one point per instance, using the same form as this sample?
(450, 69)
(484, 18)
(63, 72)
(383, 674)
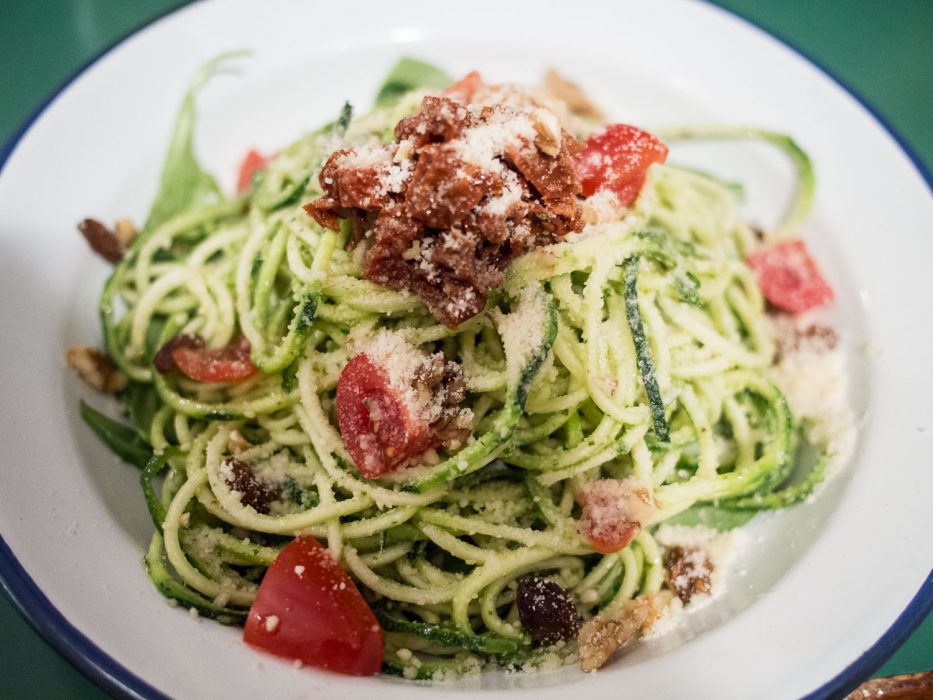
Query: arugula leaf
(184, 184)
(122, 439)
(346, 116)
(410, 74)
(712, 516)
(143, 403)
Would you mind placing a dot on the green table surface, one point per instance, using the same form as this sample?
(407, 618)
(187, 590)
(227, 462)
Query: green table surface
(883, 50)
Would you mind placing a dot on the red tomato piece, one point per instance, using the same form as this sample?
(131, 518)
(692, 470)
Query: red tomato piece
(252, 161)
(464, 89)
(378, 427)
(616, 158)
(230, 363)
(308, 608)
(788, 277)
(614, 512)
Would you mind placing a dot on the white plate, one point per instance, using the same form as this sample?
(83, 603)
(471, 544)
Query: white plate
(824, 581)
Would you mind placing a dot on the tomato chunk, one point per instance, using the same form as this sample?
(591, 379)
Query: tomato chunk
(252, 161)
(614, 512)
(230, 363)
(464, 89)
(308, 608)
(616, 158)
(788, 277)
(380, 430)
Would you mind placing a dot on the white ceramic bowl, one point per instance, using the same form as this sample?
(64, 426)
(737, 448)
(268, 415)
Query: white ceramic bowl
(823, 583)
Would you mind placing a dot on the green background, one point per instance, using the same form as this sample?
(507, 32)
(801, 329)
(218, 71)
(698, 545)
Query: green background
(882, 49)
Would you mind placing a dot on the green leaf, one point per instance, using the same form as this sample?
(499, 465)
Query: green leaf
(143, 402)
(346, 116)
(122, 439)
(712, 516)
(184, 184)
(688, 288)
(410, 74)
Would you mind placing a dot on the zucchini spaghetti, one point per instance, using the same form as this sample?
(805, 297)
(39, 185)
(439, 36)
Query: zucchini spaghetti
(615, 380)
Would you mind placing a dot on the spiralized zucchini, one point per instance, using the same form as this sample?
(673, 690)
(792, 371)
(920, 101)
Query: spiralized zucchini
(651, 363)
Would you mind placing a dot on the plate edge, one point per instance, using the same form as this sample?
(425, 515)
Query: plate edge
(921, 604)
(15, 582)
(110, 675)
(64, 637)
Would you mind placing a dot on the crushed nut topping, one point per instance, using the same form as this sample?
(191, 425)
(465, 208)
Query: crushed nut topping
(688, 572)
(444, 379)
(445, 209)
(602, 635)
(95, 368)
(432, 387)
(125, 231)
(237, 444)
(102, 240)
(572, 95)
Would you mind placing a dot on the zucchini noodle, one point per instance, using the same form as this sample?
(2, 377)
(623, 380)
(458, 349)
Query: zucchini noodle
(651, 362)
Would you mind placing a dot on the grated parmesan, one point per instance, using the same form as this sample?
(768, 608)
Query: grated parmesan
(719, 547)
(812, 377)
(522, 330)
(483, 145)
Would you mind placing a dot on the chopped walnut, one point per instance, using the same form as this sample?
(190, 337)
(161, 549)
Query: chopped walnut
(125, 231)
(445, 380)
(237, 444)
(572, 95)
(102, 240)
(602, 635)
(96, 369)
(547, 131)
(688, 572)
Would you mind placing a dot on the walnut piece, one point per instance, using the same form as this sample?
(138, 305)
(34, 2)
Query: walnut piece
(547, 131)
(602, 635)
(125, 231)
(688, 572)
(95, 368)
(572, 95)
(237, 444)
(102, 240)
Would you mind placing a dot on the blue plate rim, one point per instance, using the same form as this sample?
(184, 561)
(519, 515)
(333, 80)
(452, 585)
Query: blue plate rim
(110, 675)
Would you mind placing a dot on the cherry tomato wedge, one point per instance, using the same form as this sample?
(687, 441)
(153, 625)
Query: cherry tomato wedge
(252, 161)
(616, 158)
(464, 89)
(614, 512)
(788, 277)
(379, 429)
(230, 363)
(308, 608)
